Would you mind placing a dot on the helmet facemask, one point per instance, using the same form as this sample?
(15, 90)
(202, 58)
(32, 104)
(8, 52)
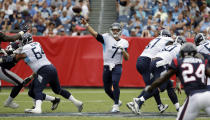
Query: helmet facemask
(116, 30)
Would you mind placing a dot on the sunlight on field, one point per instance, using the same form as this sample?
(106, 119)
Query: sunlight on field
(95, 100)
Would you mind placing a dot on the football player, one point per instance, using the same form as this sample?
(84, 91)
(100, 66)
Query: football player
(158, 66)
(203, 47)
(45, 73)
(191, 71)
(114, 51)
(143, 64)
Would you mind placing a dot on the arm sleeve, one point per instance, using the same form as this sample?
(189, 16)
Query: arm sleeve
(100, 38)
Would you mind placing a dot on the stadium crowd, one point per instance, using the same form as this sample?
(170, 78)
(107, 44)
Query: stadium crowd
(46, 17)
(145, 18)
(142, 18)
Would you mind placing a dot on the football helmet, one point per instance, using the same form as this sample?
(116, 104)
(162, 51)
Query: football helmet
(180, 39)
(27, 38)
(165, 33)
(188, 49)
(199, 38)
(116, 30)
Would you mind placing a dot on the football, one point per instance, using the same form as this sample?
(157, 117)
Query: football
(77, 9)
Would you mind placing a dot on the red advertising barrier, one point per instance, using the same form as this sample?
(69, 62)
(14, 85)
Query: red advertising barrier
(79, 61)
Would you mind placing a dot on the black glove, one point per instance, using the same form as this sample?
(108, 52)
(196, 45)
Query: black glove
(6, 59)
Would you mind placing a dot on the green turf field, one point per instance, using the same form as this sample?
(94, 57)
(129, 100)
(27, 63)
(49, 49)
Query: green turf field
(95, 101)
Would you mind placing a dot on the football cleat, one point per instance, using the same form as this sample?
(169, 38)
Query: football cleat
(55, 103)
(11, 105)
(130, 106)
(115, 109)
(80, 107)
(137, 104)
(162, 107)
(36, 111)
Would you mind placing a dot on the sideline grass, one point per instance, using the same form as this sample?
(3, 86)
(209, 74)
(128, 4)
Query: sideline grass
(95, 100)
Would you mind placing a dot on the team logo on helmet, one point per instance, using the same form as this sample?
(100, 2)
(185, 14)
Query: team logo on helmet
(180, 39)
(165, 33)
(199, 38)
(27, 38)
(116, 30)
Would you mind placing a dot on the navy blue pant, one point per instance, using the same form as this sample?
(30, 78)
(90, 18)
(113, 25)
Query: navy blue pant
(157, 71)
(46, 74)
(143, 67)
(112, 78)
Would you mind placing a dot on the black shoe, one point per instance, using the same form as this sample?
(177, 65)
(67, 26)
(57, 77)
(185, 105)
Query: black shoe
(55, 103)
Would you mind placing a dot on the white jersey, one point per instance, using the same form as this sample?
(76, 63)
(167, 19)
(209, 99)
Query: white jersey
(111, 53)
(169, 53)
(155, 46)
(204, 47)
(35, 56)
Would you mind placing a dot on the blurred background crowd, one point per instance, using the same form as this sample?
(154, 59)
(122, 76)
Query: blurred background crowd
(146, 18)
(142, 18)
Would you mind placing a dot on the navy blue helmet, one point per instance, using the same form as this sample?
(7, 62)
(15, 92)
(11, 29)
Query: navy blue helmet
(165, 33)
(180, 39)
(188, 49)
(27, 38)
(199, 38)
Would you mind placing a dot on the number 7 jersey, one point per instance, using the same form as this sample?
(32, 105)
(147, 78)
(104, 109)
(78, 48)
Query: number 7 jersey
(35, 56)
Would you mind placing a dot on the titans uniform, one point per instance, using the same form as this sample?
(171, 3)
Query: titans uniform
(191, 72)
(167, 55)
(112, 57)
(143, 61)
(46, 72)
(204, 47)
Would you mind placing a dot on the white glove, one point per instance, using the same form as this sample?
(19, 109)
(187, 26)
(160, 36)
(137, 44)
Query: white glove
(161, 63)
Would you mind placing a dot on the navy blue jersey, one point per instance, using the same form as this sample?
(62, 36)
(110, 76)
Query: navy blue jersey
(191, 72)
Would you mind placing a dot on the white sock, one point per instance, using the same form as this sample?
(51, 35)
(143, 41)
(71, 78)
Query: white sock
(38, 104)
(9, 100)
(177, 105)
(74, 100)
(142, 98)
(49, 98)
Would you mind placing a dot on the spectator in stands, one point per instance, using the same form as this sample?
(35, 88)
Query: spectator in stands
(65, 20)
(39, 24)
(6, 9)
(16, 26)
(45, 13)
(205, 23)
(38, 16)
(62, 32)
(21, 6)
(141, 14)
(55, 19)
(85, 10)
(35, 32)
(124, 7)
(68, 8)
(31, 9)
(51, 29)
(6, 24)
(145, 33)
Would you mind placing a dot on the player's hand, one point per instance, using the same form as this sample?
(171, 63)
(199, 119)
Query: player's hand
(84, 21)
(148, 88)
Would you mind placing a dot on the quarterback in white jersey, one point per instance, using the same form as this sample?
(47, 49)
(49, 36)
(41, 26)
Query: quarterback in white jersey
(34, 56)
(114, 50)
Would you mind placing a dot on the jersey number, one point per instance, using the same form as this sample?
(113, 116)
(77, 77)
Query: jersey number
(207, 46)
(38, 54)
(189, 70)
(153, 43)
